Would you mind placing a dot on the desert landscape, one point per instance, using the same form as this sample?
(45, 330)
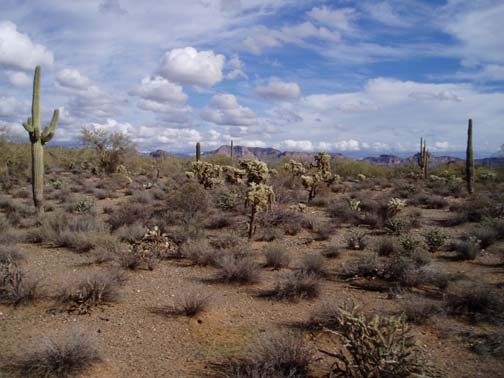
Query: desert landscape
(251, 189)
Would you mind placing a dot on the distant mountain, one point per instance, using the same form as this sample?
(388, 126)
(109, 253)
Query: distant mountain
(265, 154)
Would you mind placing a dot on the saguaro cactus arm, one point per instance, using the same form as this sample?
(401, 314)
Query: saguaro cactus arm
(28, 125)
(48, 132)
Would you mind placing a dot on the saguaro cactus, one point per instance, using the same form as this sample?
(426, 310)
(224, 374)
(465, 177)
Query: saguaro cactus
(423, 158)
(231, 152)
(38, 139)
(470, 160)
(198, 151)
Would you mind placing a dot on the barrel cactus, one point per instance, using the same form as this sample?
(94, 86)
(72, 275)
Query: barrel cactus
(259, 198)
(38, 139)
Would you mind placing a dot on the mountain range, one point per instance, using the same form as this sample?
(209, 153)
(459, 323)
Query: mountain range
(268, 153)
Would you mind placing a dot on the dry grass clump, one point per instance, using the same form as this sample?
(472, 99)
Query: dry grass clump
(200, 252)
(9, 253)
(467, 249)
(332, 250)
(56, 358)
(314, 265)
(276, 257)
(294, 286)
(93, 291)
(239, 269)
(274, 356)
(190, 304)
(16, 287)
(475, 300)
(357, 240)
(419, 310)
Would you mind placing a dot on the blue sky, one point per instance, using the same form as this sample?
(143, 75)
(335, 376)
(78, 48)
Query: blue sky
(358, 77)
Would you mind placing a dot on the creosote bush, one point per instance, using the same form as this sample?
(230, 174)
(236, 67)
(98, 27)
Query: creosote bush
(276, 257)
(190, 304)
(237, 269)
(200, 252)
(294, 286)
(313, 264)
(56, 358)
(16, 287)
(332, 250)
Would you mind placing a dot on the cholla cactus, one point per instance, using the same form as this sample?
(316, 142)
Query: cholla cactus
(361, 177)
(259, 197)
(310, 184)
(233, 175)
(257, 171)
(323, 162)
(300, 207)
(396, 205)
(206, 173)
(487, 176)
(295, 168)
(354, 204)
(148, 185)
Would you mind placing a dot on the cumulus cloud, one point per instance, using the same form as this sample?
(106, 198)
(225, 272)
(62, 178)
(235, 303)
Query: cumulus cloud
(19, 78)
(72, 79)
(160, 90)
(225, 110)
(113, 7)
(236, 66)
(190, 66)
(10, 108)
(279, 90)
(18, 51)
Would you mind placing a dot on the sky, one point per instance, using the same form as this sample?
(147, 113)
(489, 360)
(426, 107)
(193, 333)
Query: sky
(365, 76)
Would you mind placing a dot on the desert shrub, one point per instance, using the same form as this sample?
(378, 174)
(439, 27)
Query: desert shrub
(324, 316)
(341, 212)
(190, 304)
(356, 240)
(489, 344)
(322, 230)
(191, 201)
(92, 291)
(228, 200)
(295, 286)
(80, 204)
(136, 258)
(273, 355)
(131, 233)
(467, 249)
(419, 310)
(435, 239)
(386, 246)
(332, 250)
(429, 201)
(276, 257)
(381, 347)
(486, 236)
(82, 242)
(314, 265)
(10, 253)
(268, 234)
(16, 287)
(56, 358)
(218, 221)
(396, 226)
(237, 269)
(496, 224)
(200, 252)
(127, 213)
(476, 209)
(476, 300)
(289, 220)
(367, 266)
(226, 241)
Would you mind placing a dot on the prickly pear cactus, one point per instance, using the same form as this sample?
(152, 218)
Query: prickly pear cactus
(259, 198)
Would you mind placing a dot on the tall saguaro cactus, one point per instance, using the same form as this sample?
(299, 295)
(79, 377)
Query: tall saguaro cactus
(38, 139)
(423, 158)
(231, 153)
(198, 151)
(470, 159)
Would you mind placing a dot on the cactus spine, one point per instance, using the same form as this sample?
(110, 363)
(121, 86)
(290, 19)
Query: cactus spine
(198, 151)
(470, 160)
(423, 158)
(38, 139)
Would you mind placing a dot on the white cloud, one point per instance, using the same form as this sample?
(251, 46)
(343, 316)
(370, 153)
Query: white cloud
(279, 90)
(225, 110)
(10, 108)
(113, 7)
(337, 18)
(17, 50)
(160, 90)
(385, 13)
(262, 39)
(188, 66)
(295, 145)
(442, 146)
(18, 78)
(72, 79)
(347, 145)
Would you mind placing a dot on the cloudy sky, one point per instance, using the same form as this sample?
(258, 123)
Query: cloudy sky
(366, 76)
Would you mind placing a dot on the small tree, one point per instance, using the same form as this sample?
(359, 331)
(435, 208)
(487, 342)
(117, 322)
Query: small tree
(110, 148)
